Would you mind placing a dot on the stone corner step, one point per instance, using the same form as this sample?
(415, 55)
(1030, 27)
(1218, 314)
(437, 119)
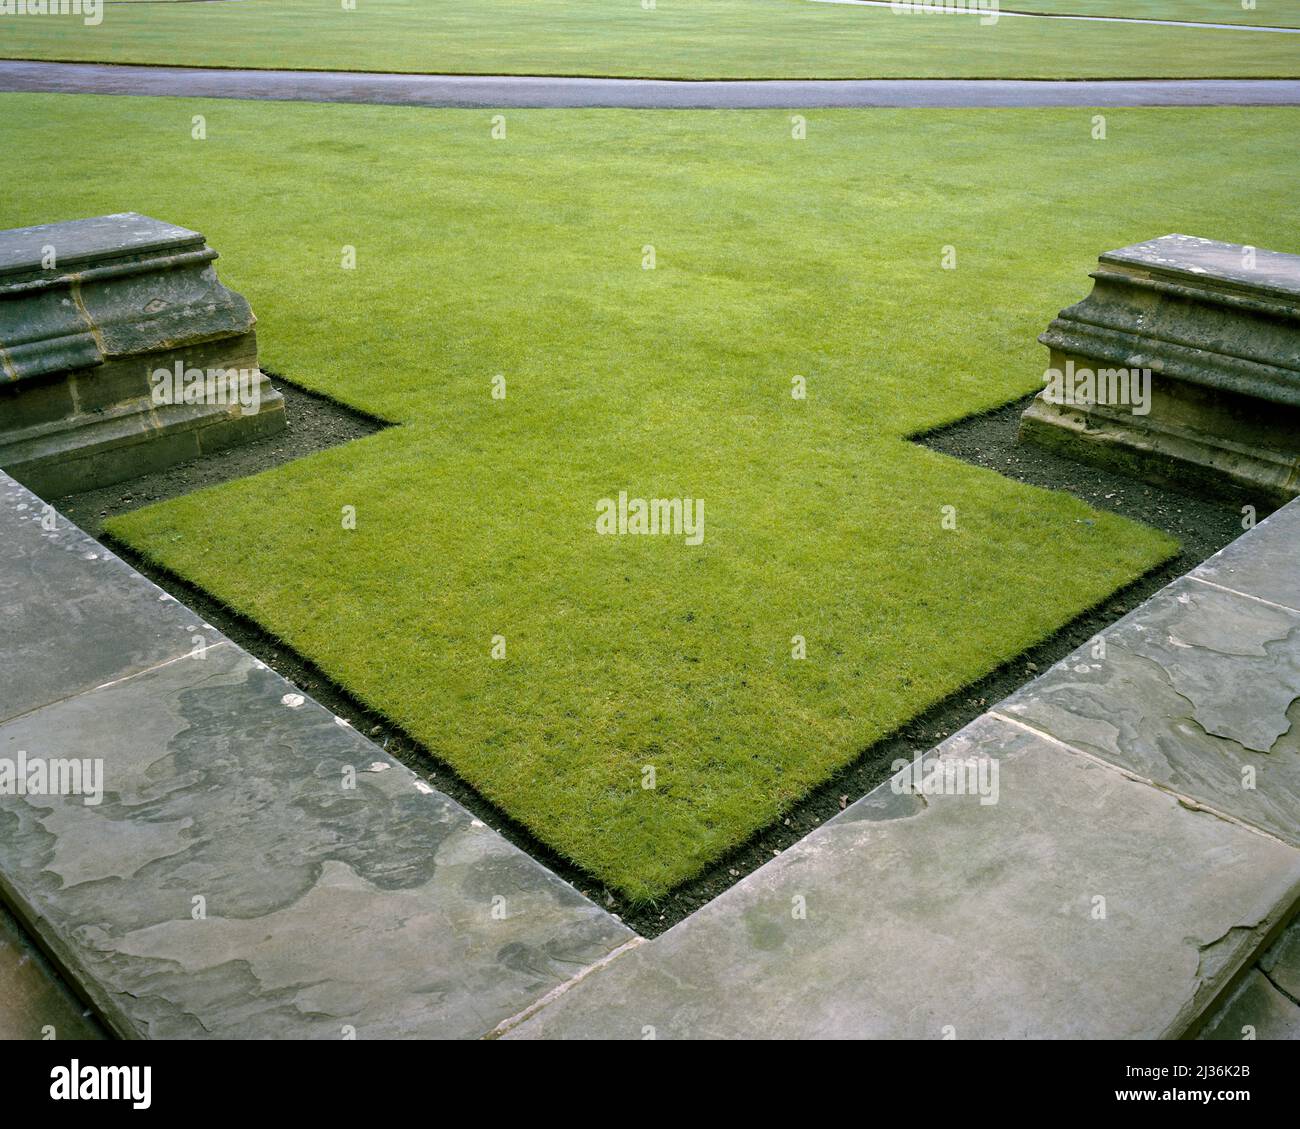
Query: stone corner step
(254, 867)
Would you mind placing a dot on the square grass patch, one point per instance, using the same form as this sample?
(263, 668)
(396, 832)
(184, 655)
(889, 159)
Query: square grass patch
(476, 516)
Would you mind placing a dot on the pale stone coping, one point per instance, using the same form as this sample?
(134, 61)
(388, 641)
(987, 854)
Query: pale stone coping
(24, 249)
(253, 867)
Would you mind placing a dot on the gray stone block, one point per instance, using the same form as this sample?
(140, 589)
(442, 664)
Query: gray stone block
(72, 615)
(938, 916)
(1197, 693)
(1217, 327)
(90, 310)
(386, 908)
(1265, 563)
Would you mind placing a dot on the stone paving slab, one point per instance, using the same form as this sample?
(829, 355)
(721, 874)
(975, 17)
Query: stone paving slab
(940, 915)
(229, 883)
(72, 615)
(34, 1002)
(1197, 692)
(324, 907)
(1266, 564)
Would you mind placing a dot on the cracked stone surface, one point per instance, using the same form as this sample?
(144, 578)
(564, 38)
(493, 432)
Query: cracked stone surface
(72, 615)
(1265, 564)
(1256, 1010)
(34, 1002)
(1197, 692)
(931, 915)
(1266, 1004)
(1281, 964)
(385, 907)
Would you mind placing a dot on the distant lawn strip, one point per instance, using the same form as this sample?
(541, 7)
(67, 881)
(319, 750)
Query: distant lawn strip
(1269, 13)
(1278, 13)
(774, 258)
(697, 39)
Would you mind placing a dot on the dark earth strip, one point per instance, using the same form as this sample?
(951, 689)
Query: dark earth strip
(1203, 526)
(314, 424)
(522, 91)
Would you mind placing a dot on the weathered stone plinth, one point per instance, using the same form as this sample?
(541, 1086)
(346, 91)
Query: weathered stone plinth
(91, 314)
(1201, 341)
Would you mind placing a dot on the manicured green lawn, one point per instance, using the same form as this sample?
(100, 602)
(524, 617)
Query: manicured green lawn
(774, 258)
(678, 38)
(1279, 13)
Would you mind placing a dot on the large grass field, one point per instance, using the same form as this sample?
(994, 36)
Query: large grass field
(678, 38)
(1278, 13)
(476, 517)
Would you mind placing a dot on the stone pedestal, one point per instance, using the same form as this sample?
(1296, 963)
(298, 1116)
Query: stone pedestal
(121, 353)
(1193, 350)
